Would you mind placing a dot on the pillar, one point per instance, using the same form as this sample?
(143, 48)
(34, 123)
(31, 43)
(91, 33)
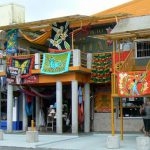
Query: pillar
(15, 109)
(59, 107)
(37, 61)
(24, 113)
(75, 106)
(37, 111)
(9, 107)
(89, 60)
(76, 57)
(0, 100)
(87, 108)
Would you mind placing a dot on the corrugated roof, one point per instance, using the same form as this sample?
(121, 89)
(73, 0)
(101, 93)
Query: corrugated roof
(135, 7)
(132, 24)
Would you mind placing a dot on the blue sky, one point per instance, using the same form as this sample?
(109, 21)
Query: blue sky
(44, 9)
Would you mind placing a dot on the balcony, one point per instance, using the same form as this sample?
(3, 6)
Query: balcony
(79, 61)
(79, 67)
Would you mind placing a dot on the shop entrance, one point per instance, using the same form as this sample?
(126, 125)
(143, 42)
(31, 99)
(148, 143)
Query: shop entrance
(48, 108)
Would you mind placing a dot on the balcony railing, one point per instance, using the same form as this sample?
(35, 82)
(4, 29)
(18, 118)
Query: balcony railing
(114, 84)
(148, 66)
(129, 62)
(78, 59)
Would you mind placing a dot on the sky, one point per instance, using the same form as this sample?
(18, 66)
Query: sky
(46, 9)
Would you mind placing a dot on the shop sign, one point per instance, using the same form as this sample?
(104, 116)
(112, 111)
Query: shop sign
(31, 79)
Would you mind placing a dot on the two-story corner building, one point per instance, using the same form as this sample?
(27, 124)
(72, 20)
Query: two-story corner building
(42, 75)
(71, 92)
(130, 78)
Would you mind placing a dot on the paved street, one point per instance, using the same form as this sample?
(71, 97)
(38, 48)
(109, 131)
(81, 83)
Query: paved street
(65, 142)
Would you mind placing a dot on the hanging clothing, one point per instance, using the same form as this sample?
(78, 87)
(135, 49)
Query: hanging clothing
(41, 118)
(80, 106)
(29, 108)
(80, 95)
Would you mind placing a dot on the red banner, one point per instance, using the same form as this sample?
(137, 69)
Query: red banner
(133, 84)
(31, 80)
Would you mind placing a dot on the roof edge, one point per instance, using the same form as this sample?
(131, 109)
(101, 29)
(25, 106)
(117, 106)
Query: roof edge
(116, 7)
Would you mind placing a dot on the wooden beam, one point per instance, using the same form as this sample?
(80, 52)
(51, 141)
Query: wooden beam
(71, 69)
(73, 20)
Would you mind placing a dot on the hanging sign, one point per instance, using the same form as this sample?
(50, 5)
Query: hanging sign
(134, 84)
(31, 79)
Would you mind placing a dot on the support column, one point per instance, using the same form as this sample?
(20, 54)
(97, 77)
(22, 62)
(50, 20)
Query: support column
(87, 108)
(37, 111)
(0, 102)
(75, 106)
(9, 107)
(25, 121)
(59, 107)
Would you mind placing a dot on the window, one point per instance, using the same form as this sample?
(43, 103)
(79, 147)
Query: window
(143, 48)
(131, 107)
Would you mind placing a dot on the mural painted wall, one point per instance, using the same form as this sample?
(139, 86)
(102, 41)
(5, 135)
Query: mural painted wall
(102, 102)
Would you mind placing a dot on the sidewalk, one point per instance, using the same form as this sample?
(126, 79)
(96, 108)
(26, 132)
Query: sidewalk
(65, 142)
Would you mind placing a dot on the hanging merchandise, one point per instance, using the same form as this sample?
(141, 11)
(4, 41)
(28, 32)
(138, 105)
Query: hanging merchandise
(25, 64)
(35, 92)
(41, 118)
(133, 84)
(60, 39)
(44, 95)
(55, 63)
(109, 42)
(80, 95)
(80, 107)
(29, 108)
(29, 98)
(39, 39)
(12, 41)
(101, 65)
(3, 83)
(27, 92)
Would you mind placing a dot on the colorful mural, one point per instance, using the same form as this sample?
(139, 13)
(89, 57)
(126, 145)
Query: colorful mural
(133, 84)
(12, 41)
(102, 102)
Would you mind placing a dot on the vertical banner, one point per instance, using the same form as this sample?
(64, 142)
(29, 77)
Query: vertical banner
(12, 41)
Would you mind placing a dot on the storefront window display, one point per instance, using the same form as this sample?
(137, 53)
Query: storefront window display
(131, 107)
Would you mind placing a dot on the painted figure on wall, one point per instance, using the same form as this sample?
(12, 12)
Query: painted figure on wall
(133, 84)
